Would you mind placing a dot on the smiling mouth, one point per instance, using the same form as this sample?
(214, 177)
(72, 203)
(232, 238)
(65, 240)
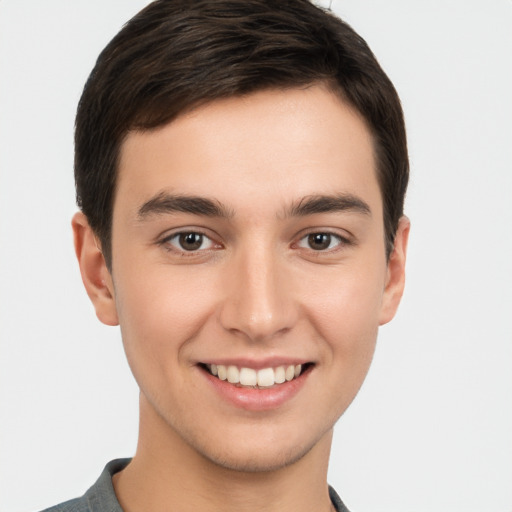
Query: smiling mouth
(256, 379)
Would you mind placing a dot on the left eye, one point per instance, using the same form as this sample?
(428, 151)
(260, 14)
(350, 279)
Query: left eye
(320, 241)
(190, 241)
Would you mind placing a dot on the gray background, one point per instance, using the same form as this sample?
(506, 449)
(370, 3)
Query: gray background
(432, 426)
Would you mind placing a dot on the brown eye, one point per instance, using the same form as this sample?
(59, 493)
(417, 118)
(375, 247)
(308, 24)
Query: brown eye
(189, 241)
(319, 241)
(322, 241)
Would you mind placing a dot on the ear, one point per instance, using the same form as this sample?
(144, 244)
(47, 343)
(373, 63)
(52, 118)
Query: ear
(95, 274)
(395, 279)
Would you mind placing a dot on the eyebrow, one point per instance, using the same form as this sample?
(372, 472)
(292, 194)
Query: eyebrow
(170, 203)
(311, 205)
(165, 203)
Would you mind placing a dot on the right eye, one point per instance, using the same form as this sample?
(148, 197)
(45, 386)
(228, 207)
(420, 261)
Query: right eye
(189, 241)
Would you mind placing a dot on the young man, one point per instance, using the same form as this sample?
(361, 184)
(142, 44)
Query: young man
(241, 167)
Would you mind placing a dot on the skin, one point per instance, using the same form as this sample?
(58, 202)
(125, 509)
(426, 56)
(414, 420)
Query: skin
(255, 289)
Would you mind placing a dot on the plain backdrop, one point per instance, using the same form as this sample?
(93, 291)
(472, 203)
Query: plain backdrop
(432, 426)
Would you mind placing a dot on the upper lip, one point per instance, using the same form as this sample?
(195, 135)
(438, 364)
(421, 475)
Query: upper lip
(256, 364)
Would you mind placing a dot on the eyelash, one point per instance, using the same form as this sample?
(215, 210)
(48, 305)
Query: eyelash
(340, 241)
(167, 242)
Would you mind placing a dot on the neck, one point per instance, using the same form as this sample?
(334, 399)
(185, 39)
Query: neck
(169, 474)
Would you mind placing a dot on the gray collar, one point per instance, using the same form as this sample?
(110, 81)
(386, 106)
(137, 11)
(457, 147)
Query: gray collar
(102, 498)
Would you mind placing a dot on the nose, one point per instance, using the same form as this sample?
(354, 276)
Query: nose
(258, 301)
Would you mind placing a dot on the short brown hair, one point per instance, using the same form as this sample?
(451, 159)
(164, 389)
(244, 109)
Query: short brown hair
(175, 55)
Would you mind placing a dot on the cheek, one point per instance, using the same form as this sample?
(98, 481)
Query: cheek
(159, 313)
(345, 310)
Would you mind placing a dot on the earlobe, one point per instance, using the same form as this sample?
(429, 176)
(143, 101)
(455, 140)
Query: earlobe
(395, 280)
(95, 274)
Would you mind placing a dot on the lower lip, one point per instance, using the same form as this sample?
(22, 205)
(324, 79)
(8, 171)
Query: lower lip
(252, 399)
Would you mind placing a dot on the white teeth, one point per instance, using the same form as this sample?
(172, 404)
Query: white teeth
(279, 375)
(233, 375)
(248, 377)
(222, 372)
(266, 377)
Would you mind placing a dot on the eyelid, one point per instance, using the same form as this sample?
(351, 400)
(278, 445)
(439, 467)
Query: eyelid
(343, 240)
(165, 240)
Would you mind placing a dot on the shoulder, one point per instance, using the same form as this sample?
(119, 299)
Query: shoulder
(75, 505)
(339, 506)
(100, 497)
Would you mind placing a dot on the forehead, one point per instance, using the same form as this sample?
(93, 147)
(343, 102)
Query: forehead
(267, 147)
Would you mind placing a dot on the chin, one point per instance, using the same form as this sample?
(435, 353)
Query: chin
(257, 460)
(261, 451)
(240, 444)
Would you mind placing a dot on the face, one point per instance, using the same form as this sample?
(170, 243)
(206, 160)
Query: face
(248, 246)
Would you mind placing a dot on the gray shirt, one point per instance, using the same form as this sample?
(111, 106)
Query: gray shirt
(102, 498)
